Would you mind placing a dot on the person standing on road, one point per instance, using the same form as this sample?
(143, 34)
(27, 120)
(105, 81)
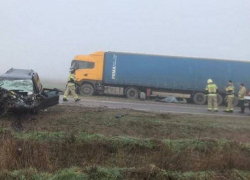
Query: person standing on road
(230, 97)
(241, 95)
(211, 91)
(71, 88)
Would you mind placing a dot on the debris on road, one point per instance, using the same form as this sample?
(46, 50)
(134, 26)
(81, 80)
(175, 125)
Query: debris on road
(118, 116)
(142, 96)
(172, 99)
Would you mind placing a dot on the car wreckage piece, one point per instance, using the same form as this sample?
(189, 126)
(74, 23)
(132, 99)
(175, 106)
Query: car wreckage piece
(21, 92)
(11, 101)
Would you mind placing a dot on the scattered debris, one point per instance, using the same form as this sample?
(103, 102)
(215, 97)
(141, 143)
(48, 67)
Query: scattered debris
(142, 96)
(172, 99)
(118, 116)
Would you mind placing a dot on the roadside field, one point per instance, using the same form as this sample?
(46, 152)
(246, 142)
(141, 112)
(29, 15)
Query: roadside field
(73, 142)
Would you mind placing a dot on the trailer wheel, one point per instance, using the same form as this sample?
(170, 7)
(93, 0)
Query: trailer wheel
(132, 93)
(87, 90)
(235, 101)
(199, 98)
(219, 99)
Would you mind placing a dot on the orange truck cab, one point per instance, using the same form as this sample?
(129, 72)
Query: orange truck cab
(89, 72)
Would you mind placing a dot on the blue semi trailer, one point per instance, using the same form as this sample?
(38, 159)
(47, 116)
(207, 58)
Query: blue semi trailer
(137, 73)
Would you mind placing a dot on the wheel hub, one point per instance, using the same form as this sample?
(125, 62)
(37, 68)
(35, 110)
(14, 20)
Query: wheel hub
(200, 98)
(86, 90)
(132, 93)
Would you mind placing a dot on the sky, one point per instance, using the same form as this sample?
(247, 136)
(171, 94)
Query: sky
(45, 35)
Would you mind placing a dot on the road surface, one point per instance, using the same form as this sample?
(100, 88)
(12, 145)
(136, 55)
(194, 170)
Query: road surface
(151, 106)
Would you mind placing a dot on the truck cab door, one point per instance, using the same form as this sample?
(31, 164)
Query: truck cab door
(85, 70)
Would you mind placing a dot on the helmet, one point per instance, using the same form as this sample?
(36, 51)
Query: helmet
(209, 81)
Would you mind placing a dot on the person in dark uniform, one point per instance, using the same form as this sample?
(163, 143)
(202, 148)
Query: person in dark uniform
(241, 96)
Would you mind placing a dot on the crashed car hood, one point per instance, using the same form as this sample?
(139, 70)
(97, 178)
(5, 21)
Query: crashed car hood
(11, 101)
(14, 102)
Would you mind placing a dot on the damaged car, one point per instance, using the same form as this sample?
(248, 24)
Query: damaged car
(22, 92)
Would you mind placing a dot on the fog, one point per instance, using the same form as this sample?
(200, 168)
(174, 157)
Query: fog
(46, 35)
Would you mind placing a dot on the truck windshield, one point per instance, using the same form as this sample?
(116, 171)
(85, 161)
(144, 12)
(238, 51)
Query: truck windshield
(82, 64)
(24, 85)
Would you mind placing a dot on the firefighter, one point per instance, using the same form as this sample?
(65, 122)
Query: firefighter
(241, 95)
(230, 97)
(211, 91)
(71, 88)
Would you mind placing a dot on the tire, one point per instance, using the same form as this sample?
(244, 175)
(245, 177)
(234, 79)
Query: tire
(132, 93)
(220, 99)
(87, 90)
(199, 98)
(235, 101)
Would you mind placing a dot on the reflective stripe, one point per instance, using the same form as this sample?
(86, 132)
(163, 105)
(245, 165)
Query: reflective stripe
(212, 95)
(211, 88)
(71, 76)
(71, 84)
(231, 89)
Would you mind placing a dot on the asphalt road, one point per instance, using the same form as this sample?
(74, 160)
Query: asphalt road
(152, 106)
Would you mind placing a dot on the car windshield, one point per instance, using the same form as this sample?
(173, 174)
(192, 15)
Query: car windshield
(24, 85)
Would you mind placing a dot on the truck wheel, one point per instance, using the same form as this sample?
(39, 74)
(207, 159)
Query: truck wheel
(235, 101)
(132, 93)
(219, 99)
(199, 98)
(87, 90)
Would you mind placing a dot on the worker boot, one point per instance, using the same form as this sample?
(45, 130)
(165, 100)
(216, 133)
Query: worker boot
(64, 99)
(76, 100)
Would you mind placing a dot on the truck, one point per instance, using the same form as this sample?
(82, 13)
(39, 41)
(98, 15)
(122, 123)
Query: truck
(132, 74)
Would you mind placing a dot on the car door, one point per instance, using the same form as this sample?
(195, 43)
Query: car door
(50, 98)
(47, 97)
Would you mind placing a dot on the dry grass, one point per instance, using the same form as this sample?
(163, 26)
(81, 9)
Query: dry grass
(135, 124)
(68, 151)
(136, 146)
